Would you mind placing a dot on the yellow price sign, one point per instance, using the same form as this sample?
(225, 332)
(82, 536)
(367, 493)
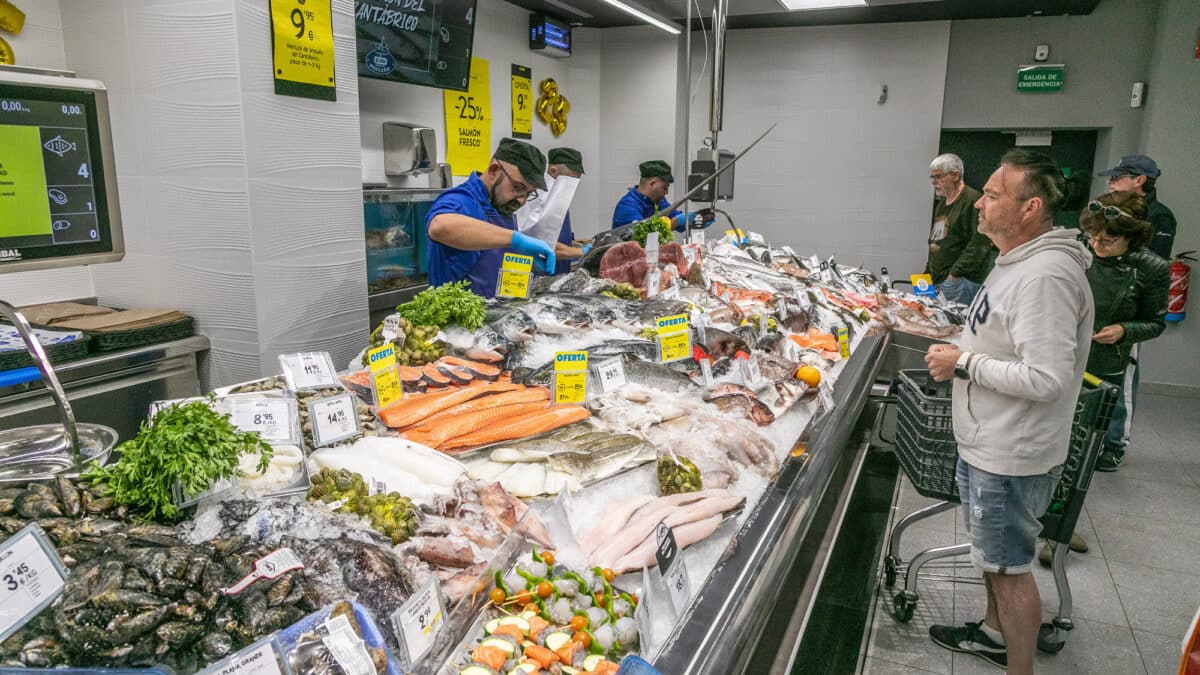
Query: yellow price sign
(522, 102)
(514, 276)
(570, 386)
(302, 46)
(843, 338)
(381, 358)
(570, 361)
(469, 122)
(672, 324)
(388, 389)
(515, 262)
(674, 346)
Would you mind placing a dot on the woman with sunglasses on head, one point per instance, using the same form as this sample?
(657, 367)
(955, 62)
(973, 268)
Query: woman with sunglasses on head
(1129, 286)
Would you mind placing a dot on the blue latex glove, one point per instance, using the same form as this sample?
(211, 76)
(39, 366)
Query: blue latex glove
(586, 248)
(543, 253)
(684, 220)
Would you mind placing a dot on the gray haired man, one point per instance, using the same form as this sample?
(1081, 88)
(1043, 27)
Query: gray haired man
(959, 256)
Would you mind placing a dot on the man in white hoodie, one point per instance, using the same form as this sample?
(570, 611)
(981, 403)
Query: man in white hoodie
(1017, 374)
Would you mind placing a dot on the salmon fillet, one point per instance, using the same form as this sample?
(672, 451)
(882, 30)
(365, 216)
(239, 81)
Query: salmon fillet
(528, 395)
(481, 418)
(480, 370)
(413, 409)
(529, 424)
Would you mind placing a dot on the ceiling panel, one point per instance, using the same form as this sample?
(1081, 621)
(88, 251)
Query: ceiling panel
(769, 13)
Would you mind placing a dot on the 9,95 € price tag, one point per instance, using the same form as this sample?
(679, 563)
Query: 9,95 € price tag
(611, 374)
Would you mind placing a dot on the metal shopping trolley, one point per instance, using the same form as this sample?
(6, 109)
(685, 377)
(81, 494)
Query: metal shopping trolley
(928, 455)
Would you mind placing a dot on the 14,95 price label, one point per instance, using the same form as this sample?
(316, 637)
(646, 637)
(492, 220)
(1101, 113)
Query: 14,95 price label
(309, 370)
(31, 577)
(333, 419)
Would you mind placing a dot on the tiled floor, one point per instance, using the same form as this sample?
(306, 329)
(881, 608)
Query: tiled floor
(1135, 592)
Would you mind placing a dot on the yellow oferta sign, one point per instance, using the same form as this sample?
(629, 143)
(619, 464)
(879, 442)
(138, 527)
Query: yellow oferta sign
(302, 40)
(522, 102)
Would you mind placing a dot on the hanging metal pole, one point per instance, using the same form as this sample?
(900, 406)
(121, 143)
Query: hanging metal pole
(716, 100)
(687, 105)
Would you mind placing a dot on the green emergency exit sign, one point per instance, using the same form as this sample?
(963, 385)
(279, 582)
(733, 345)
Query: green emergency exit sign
(1034, 79)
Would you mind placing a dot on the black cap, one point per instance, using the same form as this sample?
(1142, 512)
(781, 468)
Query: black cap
(656, 168)
(568, 157)
(1134, 165)
(529, 160)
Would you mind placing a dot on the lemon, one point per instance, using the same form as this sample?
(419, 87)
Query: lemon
(808, 375)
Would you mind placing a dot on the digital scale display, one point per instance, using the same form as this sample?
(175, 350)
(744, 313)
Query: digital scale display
(53, 193)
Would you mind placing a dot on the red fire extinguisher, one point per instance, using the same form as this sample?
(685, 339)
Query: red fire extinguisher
(1177, 295)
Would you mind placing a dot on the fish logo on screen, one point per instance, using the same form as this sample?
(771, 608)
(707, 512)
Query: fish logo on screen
(380, 60)
(59, 146)
(61, 225)
(58, 196)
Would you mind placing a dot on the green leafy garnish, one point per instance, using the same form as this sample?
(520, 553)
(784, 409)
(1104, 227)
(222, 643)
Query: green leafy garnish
(658, 224)
(189, 444)
(444, 305)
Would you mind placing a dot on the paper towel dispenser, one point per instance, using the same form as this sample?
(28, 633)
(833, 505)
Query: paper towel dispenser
(408, 149)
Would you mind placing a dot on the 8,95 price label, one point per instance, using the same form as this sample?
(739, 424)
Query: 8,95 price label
(274, 419)
(309, 370)
(417, 622)
(333, 419)
(31, 577)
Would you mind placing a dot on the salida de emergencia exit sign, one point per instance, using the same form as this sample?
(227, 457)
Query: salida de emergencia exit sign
(1031, 79)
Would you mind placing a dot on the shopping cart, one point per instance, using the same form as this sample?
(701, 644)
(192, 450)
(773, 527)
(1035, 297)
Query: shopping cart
(928, 455)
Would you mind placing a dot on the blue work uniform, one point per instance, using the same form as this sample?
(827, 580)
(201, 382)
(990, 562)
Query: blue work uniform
(567, 237)
(635, 206)
(448, 264)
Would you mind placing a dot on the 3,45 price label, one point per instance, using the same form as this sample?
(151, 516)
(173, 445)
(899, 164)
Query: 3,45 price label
(417, 622)
(31, 577)
(334, 419)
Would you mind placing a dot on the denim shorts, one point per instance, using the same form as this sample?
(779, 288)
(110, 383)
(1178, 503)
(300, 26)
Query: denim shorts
(1001, 515)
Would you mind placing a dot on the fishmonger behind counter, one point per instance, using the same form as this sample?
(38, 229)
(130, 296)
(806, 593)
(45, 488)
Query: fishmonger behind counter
(649, 196)
(470, 227)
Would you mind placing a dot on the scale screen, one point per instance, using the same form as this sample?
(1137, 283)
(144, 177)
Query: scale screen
(57, 195)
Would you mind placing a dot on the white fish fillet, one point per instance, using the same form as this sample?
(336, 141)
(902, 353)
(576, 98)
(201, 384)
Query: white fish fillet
(685, 535)
(411, 469)
(688, 506)
(486, 469)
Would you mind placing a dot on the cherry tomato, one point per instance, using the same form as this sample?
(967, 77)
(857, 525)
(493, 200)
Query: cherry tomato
(600, 599)
(497, 596)
(523, 598)
(545, 589)
(548, 558)
(578, 623)
(582, 638)
(633, 596)
(608, 574)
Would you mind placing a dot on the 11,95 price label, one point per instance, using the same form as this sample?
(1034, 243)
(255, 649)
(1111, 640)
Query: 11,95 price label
(417, 622)
(309, 370)
(31, 577)
(334, 419)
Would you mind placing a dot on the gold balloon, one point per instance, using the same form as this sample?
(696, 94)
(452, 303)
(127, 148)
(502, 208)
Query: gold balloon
(6, 53)
(552, 107)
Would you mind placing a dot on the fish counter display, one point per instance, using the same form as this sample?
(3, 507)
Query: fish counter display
(548, 484)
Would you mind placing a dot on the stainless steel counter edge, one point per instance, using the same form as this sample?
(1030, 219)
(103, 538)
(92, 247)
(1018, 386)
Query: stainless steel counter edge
(717, 633)
(102, 363)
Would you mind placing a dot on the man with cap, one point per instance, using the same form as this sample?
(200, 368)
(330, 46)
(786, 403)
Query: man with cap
(470, 227)
(565, 162)
(649, 196)
(1139, 173)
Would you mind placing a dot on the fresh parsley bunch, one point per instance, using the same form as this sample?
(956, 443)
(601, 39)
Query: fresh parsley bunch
(189, 444)
(444, 305)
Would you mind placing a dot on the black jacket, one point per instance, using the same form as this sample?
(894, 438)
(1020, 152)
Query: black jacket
(1131, 290)
(1164, 224)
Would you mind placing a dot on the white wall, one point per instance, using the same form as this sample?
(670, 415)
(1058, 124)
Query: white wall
(501, 38)
(639, 70)
(1105, 53)
(240, 207)
(40, 45)
(841, 173)
(1171, 137)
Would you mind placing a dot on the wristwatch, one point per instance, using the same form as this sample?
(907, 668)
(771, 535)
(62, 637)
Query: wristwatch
(961, 366)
